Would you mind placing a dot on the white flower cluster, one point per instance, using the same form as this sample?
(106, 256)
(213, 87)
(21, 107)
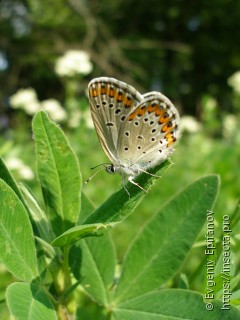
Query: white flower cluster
(26, 99)
(77, 116)
(190, 124)
(17, 165)
(230, 125)
(72, 63)
(234, 81)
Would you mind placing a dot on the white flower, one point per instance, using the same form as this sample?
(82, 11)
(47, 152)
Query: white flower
(25, 99)
(73, 62)
(230, 125)
(32, 108)
(54, 109)
(14, 163)
(75, 119)
(17, 165)
(88, 119)
(77, 116)
(26, 173)
(234, 81)
(190, 124)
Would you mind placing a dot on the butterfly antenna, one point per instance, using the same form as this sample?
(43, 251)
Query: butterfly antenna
(94, 174)
(103, 166)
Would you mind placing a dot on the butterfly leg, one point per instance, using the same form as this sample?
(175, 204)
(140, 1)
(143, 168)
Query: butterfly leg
(130, 179)
(151, 174)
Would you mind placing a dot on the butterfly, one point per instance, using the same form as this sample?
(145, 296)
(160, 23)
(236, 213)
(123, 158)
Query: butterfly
(136, 131)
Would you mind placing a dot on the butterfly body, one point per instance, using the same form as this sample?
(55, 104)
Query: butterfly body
(136, 131)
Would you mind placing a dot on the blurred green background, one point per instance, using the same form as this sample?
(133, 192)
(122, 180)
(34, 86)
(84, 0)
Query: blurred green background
(190, 51)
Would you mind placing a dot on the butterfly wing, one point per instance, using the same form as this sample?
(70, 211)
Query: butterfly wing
(111, 102)
(149, 132)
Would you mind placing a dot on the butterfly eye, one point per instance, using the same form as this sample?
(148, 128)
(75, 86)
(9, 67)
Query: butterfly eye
(111, 169)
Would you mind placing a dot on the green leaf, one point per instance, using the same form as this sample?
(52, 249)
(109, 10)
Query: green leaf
(86, 208)
(78, 232)
(27, 301)
(17, 249)
(161, 247)
(58, 172)
(38, 216)
(6, 176)
(93, 261)
(174, 304)
(120, 205)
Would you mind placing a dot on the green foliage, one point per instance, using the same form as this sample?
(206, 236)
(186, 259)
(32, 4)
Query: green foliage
(161, 260)
(28, 301)
(172, 304)
(182, 51)
(58, 172)
(76, 256)
(17, 248)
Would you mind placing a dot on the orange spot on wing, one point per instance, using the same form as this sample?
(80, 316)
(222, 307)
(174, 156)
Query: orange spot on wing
(170, 139)
(162, 119)
(159, 111)
(151, 109)
(127, 102)
(111, 92)
(170, 143)
(168, 135)
(132, 116)
(141, 112)
(103, 90)
(94, 93)
(166, 128)
(119, 97)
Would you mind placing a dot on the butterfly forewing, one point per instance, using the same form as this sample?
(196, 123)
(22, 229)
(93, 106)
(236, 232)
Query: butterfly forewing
(111, 103)
(149, 132)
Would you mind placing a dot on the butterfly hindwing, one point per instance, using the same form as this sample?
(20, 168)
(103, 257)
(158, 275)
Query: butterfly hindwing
(149, 132)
